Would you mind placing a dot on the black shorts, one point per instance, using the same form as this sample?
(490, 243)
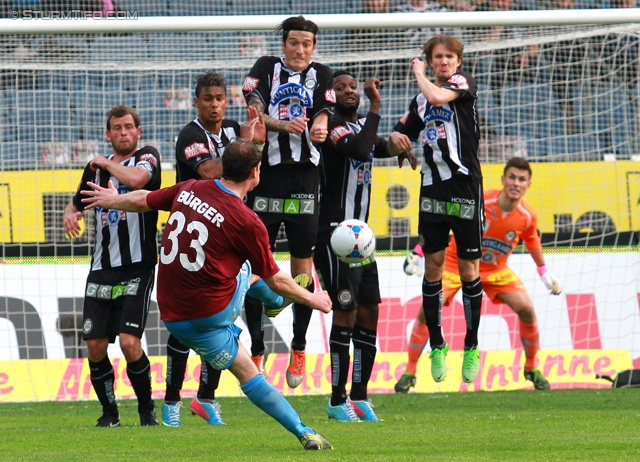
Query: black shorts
(117, 301)
(347, 286)
(454, 205)
(288, 193)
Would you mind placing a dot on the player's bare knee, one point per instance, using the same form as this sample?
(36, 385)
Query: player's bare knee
(131, 347)
(97, 349)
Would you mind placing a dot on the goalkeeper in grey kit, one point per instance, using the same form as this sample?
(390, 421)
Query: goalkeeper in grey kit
(348, 154)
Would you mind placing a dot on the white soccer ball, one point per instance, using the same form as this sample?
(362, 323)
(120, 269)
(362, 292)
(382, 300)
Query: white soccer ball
(353, 241)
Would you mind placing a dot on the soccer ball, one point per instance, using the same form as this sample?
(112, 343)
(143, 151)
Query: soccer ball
(353, 241)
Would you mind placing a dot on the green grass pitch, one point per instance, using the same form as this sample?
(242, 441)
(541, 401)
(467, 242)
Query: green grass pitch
(562, 425)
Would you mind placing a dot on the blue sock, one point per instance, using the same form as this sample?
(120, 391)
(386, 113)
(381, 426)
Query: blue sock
(266, 397)
(263, 292)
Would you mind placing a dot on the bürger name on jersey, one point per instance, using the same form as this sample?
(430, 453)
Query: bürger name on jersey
(192, 201)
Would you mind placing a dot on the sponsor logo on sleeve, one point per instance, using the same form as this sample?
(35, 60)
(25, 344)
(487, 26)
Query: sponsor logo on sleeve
(404, 118)
(459, 81)
(338, 133)
(250, 84)
(330, 96)
(195, 149)
(149, 158)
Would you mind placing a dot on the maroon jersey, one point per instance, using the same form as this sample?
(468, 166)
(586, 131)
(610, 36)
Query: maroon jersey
(210, 233)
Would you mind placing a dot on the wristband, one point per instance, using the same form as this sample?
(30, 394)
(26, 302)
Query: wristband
(542, 270)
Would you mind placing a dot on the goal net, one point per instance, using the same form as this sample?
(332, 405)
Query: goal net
(564, 97)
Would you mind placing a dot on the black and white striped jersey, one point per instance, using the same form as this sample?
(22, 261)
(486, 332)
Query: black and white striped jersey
(124, 238)
(451, 133)
(287, 94)
(347, 160)
(196, 144)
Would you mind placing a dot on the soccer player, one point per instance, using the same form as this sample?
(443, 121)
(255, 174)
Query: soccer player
(122, 271)
(451, 191)
(345, 193)
(510, 218)
(294, 94)
(199, 151)
(203, 272)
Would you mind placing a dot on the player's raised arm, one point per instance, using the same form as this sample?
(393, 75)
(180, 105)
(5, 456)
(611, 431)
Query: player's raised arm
(108, 198)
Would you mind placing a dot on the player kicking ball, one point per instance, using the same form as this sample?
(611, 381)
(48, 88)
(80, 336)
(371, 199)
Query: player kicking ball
(509, 218)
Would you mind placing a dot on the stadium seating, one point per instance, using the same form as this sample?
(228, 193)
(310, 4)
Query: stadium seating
(533, 113)
(259, 7)
(615, 120)
(146, 8)
(133, 48)
(200, 8)
(67, 104)
(330, 7)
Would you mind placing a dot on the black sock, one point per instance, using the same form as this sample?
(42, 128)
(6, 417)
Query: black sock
(209, 380)
(102, 378)
(472, 302)
(432, 306)
(177, 356)
(339, 343)
(139, 372)
(364, 355)
(255, 325)
(301, 319)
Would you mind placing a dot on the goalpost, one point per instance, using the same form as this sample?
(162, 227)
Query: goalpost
(560, 88)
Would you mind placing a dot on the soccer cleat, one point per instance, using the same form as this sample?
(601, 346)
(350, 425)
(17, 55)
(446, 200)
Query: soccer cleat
(208, 411)
(303, 280)
(344, 412)
(109, 419)
(413, 264)
(364, 411)
(314, 442)
(470, 364)
(438, 358)
(257, 360)
(295, 371)
(406, 381)
(148, 418)
(171, 414)
(539, 381)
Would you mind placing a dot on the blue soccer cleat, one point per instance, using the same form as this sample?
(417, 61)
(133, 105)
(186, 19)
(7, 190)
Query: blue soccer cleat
(171, 414)
(208, 411)
(364, 411)
(343, 412)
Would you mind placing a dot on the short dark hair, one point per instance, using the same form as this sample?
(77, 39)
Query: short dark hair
(341, 72)
(297, 23)
(452, 43)
(210, 79)
(520, 163)
(121, 111)
(240, 158)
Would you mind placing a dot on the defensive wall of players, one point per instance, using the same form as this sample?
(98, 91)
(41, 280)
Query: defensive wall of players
(571, 195)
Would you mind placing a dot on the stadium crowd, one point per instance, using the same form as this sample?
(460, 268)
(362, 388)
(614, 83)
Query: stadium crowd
(586, 88)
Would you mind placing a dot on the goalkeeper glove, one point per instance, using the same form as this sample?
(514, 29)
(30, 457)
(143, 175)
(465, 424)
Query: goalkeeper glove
(414, 263)
(550, 280)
